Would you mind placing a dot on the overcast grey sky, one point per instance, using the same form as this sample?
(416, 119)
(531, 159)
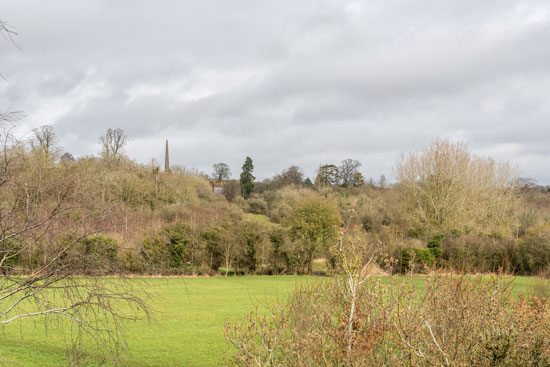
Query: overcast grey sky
(285, 82)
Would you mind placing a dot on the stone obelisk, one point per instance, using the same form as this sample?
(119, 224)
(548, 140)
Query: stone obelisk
(166, 159)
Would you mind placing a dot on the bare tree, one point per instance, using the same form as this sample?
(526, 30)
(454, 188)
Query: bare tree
(231, 190)
(355, 256)
(113, 143)
(221, 171)
(7, 31)
(382, 182)
(46, 217)
(445, 187)
(347, 171)
(293, 175)
(44, 139)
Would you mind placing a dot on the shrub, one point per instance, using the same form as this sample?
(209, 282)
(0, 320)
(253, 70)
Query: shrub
(212, 239)
(250, 236)
(531, 254)
(367, 222)
(434, 245)
(313, 224)
(131, 262)
(451, 321)
(415, 232)
(280, 261)
(413, 259)
(472, 253)
(101, 251)
(179, 240)
(165, 251)
(10, 249)
(257, 206)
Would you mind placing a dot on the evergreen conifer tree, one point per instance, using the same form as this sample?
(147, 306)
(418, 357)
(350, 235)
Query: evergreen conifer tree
(247, 179)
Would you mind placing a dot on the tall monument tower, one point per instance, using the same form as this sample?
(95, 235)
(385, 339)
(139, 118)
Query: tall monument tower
(166, 159)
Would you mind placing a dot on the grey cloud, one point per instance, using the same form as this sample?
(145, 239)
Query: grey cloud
(288, 82)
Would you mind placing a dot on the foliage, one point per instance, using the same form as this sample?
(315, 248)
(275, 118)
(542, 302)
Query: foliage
(102, 251)
(247, 179)
(358, 179)
(257, 206)
(280, 259)
(434, 245)
(251, 236)
(349, 174)
(312, 227)
(165, 251)
(230, 190)
(221, 171)
(137, 202)
(327, 175)
(10, 250)
(414, 259)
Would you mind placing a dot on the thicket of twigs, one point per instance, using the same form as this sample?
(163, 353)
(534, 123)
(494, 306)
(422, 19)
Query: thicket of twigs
(358, 319)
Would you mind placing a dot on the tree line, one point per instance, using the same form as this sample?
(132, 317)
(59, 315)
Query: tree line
(448, 208)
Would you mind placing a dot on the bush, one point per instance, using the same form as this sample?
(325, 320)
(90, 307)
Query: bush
(165, 251)
(313, 228)
(531, 255)
(413, 259)
(415, 232)
(100, 251)
(9, 254)
(212, 239)
(474, 253)
(257, 206)
(280, 261)
(434, 245)
(451, 321)
(367, 222)
(250, 235)
(131, 262)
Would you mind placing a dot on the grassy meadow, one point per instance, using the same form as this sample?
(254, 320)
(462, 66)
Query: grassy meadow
(188, 325)
(187, 329)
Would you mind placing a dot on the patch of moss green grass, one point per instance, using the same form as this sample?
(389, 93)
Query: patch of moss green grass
(187, 329)
(188, 325)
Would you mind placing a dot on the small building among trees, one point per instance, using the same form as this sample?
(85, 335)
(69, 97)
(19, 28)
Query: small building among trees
(217, 187)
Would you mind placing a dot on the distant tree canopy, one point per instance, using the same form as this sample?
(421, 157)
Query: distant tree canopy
(445, 187)
(358, 179)
(382, 182)
(66, 157)
(293, 175)
(112, 144)
(247, 179)
(313, 226)
(44, 139)
(327, 175)
(221, 171)
(348, 171)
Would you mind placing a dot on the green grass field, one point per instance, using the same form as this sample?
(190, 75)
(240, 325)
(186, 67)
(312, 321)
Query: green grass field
(188, 330)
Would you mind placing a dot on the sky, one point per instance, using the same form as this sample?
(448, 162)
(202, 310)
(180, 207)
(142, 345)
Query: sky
(286, 82)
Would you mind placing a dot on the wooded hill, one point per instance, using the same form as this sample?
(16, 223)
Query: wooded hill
(448, 209)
